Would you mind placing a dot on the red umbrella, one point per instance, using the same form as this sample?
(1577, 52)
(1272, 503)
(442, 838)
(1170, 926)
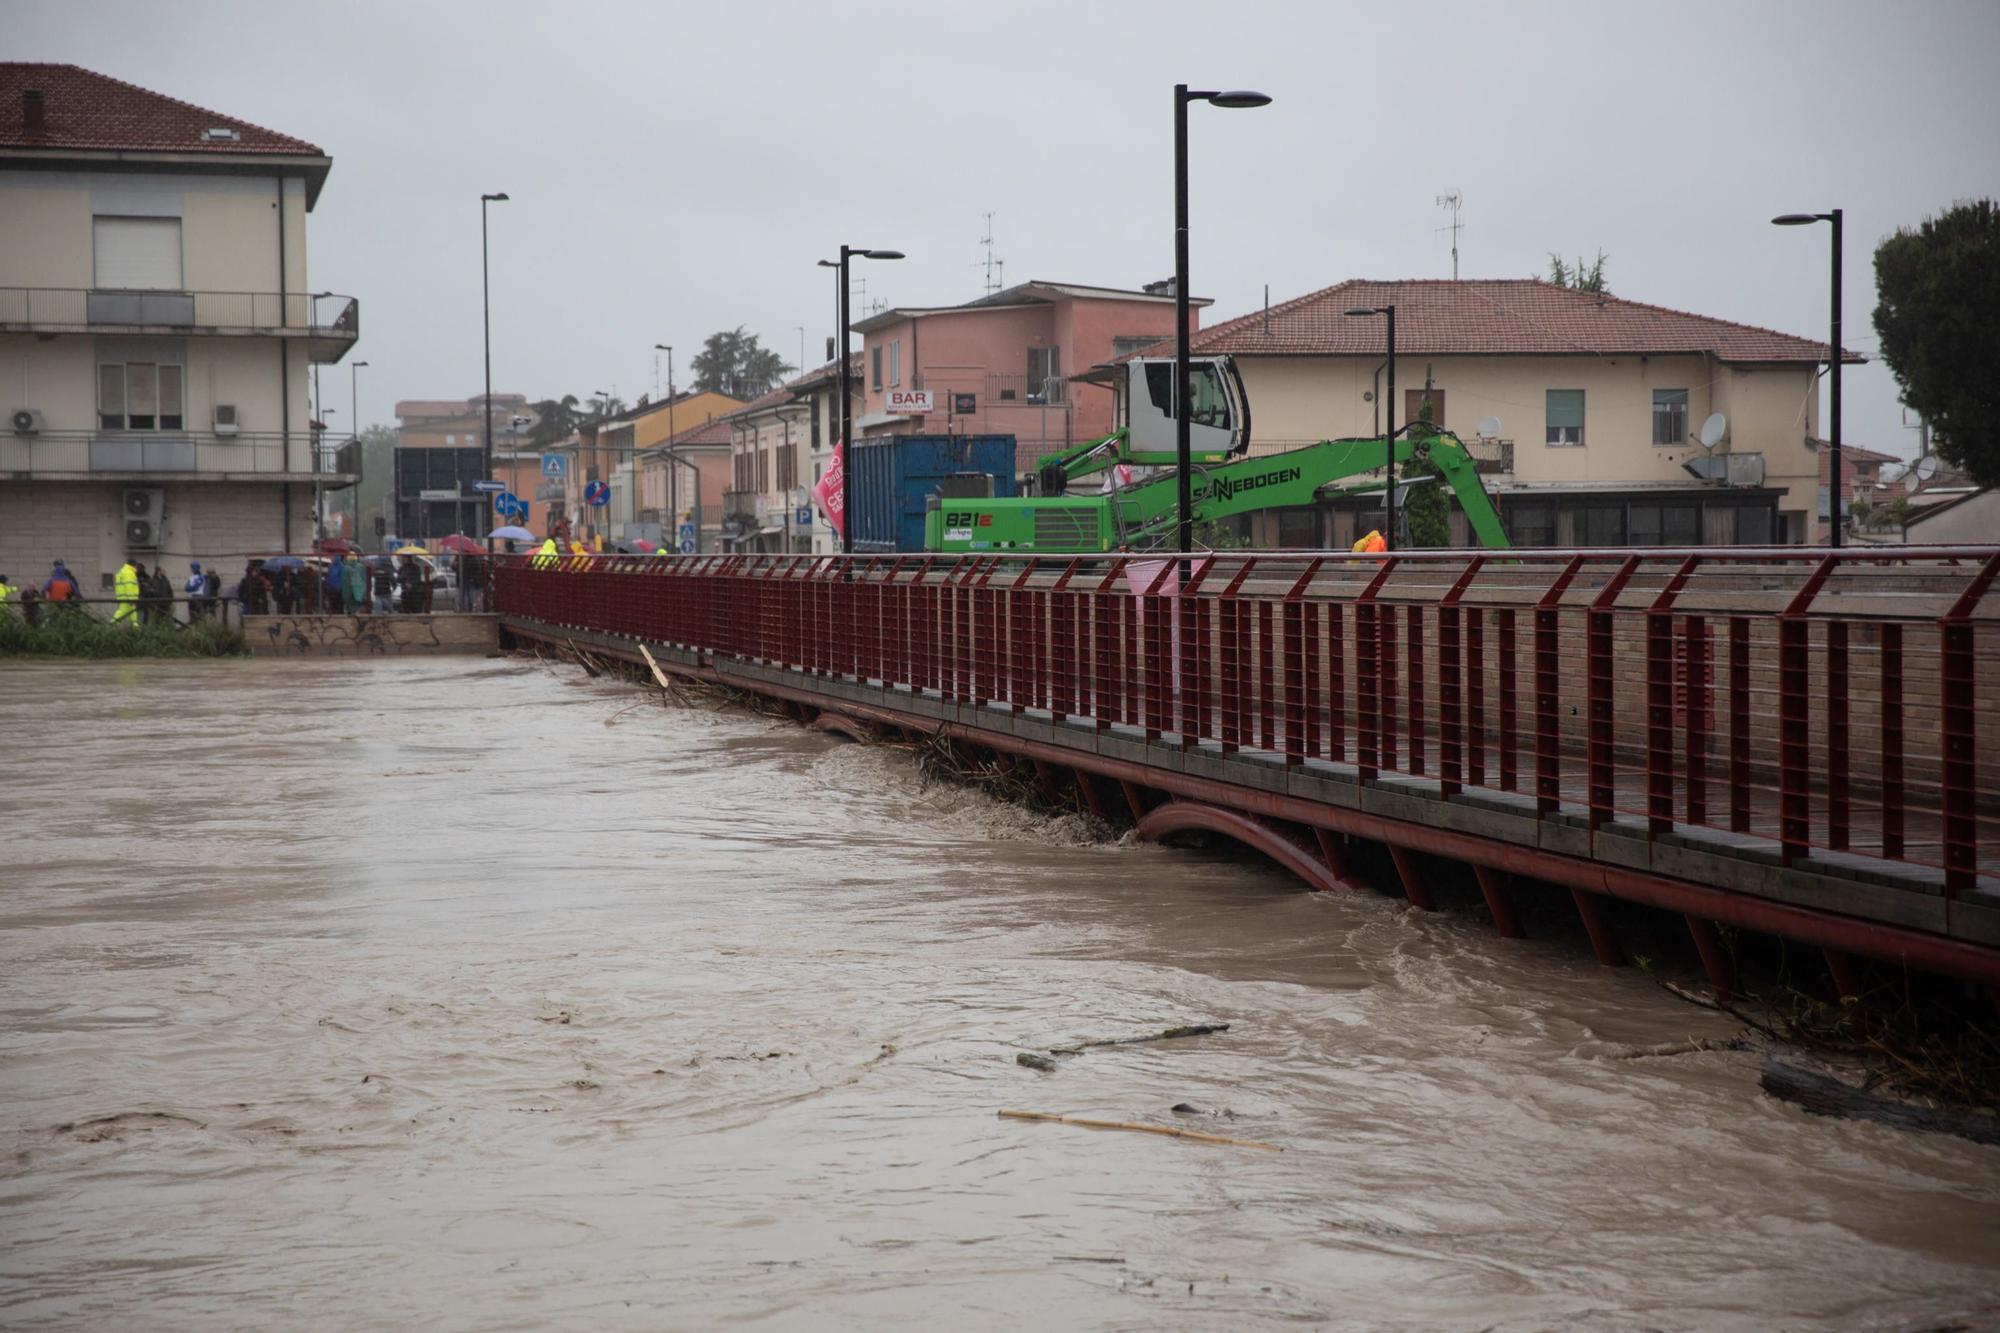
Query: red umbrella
(336, 546)
(643, 545)
(458, 545)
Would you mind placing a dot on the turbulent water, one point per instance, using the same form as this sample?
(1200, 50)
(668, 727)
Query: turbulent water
(475, 994)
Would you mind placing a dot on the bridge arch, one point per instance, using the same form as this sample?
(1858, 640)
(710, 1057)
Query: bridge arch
(1179, 816)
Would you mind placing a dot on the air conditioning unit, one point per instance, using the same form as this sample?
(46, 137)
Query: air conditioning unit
(27, 421)
(145, 514)
(225, 419)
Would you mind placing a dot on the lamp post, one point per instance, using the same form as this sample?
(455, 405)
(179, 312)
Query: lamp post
(848, 252)
(1389, 421)
(1182, 449)
(354, 427)
(673, 474)
(486, 321)
(1836, 501)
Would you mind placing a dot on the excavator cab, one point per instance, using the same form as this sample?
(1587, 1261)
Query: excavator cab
(1218, 416)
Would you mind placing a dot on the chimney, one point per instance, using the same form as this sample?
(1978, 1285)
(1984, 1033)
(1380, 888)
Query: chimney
(34, 113)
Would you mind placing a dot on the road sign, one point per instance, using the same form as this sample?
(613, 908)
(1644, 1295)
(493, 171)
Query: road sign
(687, 543)
(964, 404)
(440, 493)
(803, 516)
(686, 533)
(518, 509)
(490, 487)
(505, 501)
(553, 466)
(597, 494)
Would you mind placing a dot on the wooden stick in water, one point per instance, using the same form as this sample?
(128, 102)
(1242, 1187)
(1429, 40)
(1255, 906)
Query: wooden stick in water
(1171, 1131)
(658, 674)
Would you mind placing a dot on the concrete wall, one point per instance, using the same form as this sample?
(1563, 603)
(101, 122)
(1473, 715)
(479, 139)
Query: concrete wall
(1298, 400)
(1973, 521)
(371, 636)
(82, 523)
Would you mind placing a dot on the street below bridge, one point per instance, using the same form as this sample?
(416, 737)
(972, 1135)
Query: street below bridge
(484, 992)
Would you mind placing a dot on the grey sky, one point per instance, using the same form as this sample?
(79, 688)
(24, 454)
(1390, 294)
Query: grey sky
(677, 168)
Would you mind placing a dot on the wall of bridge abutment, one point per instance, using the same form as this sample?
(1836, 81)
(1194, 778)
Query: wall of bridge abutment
(1795, 741)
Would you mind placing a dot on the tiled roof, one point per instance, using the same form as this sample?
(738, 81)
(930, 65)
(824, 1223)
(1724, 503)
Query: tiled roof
(87, 110)
(713, 431)
(1492, 317)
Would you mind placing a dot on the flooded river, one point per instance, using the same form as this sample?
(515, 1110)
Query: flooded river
(476, 993)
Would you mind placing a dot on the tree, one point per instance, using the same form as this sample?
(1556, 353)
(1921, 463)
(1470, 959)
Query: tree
(1425, 510)
(1579, 276)
(736, 363)
(555, 418)
(378, 479)
(1939, 320)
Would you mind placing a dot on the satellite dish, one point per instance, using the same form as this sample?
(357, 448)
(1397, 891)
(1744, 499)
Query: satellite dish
(1712, 430)
(1926, 467)
(1489, 428)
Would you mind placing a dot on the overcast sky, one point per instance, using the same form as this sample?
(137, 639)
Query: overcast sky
(678, 168)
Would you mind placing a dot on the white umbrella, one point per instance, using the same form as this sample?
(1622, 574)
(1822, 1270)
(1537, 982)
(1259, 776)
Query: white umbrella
(512, 534)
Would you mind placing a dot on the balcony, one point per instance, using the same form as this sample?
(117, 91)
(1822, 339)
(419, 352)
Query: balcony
(1492, 458)
(1021, 390)
(177, 456)
(329, 325)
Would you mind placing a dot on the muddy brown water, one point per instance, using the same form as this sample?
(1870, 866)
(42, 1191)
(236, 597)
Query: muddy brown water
(466, 993)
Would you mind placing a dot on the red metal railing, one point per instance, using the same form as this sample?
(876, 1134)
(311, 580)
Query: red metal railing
(1829, 702)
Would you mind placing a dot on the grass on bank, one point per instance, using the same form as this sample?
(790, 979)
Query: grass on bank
(78, 634)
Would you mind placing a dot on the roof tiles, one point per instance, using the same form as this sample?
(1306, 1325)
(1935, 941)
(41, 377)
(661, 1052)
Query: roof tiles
(83, 109)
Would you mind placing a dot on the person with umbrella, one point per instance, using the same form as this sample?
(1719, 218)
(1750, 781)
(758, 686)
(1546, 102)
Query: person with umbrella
(355, 584)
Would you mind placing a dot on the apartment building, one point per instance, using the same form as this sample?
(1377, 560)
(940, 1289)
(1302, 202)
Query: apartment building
(1584, 408)
(157, 323)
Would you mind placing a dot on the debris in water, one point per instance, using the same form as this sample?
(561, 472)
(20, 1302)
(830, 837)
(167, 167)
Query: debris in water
(1033, 1061)
(1184, 1030)
(1170, 1131)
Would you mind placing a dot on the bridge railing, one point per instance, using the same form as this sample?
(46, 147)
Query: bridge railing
(1834, 704)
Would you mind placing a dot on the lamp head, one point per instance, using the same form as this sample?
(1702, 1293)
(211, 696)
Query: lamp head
(500, 198)
(881, 254)
(1797, 219)
(1238, 99)
(356, 365)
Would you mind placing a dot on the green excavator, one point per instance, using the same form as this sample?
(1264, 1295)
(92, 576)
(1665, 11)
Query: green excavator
(1126, 514)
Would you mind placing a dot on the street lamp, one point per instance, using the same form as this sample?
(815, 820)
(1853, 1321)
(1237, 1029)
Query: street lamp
(848, 252)
(486, 321)
(1182, 389)
(673, 470)
(354, 428)
(1836, 502)
(1389, 437)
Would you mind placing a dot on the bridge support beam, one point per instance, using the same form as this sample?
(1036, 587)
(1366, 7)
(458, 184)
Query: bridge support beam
(1092, 798)
(1500, 902)
(839, 724)
(1603, 939)
(1414, 888)
(1192, 816)
(1714, 957)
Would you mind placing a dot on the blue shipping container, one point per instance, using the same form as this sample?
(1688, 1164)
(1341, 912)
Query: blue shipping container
(894, 475)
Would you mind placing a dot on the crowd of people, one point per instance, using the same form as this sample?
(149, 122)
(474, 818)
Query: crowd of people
(284, 585)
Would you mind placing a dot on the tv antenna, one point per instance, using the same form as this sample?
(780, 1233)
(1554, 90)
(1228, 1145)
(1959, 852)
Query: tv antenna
(1451, 201)
(996, 267)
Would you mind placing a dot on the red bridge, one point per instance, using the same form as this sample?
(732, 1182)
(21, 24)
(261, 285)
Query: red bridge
(1802, 743)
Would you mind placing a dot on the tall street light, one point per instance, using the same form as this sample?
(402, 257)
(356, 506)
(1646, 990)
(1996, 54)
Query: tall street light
(486, 316)
(848, 252)
(1836, 502)
(1182, 96)
(673, 470)
(354, 426)
(1389, 437)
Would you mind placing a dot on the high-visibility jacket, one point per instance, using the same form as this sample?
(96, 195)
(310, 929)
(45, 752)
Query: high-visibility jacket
(1373, 544)
(545, 555)
(6, 592)
(126, 584)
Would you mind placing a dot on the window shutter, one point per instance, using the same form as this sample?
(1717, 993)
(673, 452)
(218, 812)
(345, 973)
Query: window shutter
(138, 254)
(1565, 408)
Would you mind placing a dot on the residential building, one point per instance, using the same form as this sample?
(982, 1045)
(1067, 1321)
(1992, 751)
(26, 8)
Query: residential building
(611, 450)
(1000, 365)
(1589, 406)
(779, 445)
(686, 476)
(157, 322)
(440, 453)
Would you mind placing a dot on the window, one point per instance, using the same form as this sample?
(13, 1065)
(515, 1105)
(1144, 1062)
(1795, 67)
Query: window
(140, 395)
(1565, 414)
(1531, 525)
(815, 421)
(895, 363)
(1666, 525)
(787, 468)
(763, 469)
(875, 366)
(138, 254)
(1045, 375)
(1753, 526)
(1600, 525)
(1211, 405)
(1670, 416)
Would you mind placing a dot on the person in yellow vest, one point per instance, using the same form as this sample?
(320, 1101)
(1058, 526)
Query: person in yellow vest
(126, 585)
(7, 593)
(546, 554)
(1372, 544)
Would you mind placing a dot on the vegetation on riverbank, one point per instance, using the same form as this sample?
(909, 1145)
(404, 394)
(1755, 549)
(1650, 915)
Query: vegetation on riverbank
(73, 634)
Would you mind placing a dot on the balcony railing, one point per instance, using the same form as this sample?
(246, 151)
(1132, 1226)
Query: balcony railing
(332, 322)
(1022, 390)
(136, 454)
